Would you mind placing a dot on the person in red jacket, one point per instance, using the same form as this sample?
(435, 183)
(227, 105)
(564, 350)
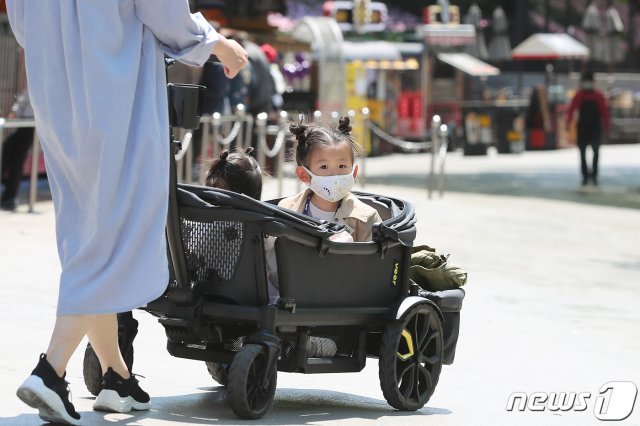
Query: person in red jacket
(593, 122)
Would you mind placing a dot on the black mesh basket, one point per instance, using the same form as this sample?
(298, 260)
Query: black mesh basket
(212, 250)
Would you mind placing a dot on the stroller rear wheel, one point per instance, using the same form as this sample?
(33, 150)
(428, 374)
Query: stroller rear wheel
(411, 358)
(219, 372)
(248, 397)
(92, 371)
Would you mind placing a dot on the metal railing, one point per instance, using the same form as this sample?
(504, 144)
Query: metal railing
(239, 128)
(403, 145)
(277, 151)
(438, 146)
(15, 123)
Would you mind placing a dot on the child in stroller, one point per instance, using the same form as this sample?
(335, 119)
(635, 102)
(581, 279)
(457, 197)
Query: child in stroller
(238, 172)
(326, 163)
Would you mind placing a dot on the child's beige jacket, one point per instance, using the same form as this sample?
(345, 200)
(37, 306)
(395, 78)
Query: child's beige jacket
(353, 213)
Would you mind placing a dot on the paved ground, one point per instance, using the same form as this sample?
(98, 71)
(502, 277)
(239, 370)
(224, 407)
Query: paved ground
(551, 302)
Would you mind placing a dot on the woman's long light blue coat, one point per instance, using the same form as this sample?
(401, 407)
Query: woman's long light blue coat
(96, 77)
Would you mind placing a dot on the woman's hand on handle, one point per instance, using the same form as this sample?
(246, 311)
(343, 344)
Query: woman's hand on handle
(232, 56)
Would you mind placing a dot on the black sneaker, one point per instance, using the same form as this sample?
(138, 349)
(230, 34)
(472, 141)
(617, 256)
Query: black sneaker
(49, 393)
(120, 395)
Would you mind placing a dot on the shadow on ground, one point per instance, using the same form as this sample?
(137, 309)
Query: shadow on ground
(291, 407)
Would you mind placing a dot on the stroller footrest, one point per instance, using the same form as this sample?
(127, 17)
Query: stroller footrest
(192, 352)
(446, 300)
(336, 364)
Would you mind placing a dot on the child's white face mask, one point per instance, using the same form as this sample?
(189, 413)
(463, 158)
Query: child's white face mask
(331, 188)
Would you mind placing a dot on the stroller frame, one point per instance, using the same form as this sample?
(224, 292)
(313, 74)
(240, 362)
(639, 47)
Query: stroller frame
(216, 307)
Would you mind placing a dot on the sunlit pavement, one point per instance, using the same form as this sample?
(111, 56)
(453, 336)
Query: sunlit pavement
(551, 301)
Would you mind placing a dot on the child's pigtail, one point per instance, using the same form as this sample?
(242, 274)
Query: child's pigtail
(215, 166)
(344, 125)
(248, 151)
(299, 130)
(302, 147)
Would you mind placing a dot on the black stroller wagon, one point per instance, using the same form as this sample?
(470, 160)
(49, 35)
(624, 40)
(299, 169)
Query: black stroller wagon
(217, 307)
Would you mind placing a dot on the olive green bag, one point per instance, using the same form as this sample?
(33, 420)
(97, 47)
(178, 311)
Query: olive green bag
(432, 271)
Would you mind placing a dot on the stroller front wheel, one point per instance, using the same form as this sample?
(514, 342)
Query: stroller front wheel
(411, 358)
(248, 397)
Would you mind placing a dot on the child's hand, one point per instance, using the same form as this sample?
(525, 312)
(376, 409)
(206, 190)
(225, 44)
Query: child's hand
(342, 237)
(232, 56)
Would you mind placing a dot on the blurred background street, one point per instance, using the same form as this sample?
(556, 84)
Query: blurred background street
(468, 109)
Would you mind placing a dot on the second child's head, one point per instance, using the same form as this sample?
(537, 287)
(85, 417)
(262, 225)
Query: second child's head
(238, 172)
(326, 158)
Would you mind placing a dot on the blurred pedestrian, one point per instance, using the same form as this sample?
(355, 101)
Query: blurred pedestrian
(211, 77)
(239, 86)
(14, 152)
(593, 123)
(97, 84)
(262, 87)
(273, 113)
(238, 90)
(279, 85)
(257, 87)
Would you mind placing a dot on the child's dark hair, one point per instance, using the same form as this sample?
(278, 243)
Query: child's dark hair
(237, 172)
(310, 135)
